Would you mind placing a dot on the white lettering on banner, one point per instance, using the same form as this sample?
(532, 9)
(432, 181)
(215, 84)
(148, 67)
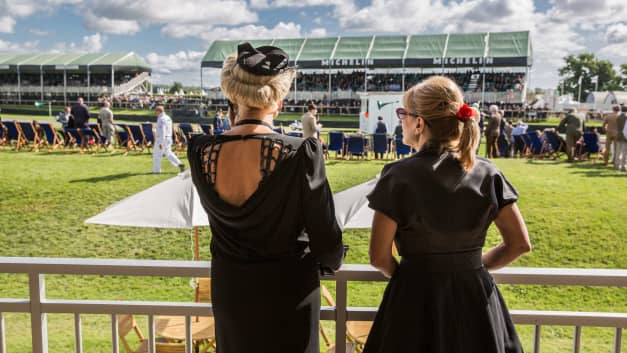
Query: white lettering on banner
(346, 62)
(467, 60)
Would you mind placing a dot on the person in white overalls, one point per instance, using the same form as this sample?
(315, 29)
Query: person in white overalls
(163, 143)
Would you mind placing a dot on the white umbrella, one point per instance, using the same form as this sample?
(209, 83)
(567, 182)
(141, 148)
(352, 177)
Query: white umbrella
(173, 203)
(351, 206)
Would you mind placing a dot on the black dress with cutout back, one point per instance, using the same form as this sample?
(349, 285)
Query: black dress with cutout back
(441, 299)
(266, 254)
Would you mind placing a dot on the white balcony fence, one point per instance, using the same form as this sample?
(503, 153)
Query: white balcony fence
(37, 305)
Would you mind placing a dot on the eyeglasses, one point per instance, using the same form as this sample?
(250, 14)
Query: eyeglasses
(401, 113)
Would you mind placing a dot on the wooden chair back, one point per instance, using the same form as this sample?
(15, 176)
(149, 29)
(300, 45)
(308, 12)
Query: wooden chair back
(170, 347)
(126, 324)
(203, 290)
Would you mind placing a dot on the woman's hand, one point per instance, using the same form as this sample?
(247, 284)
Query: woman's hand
(381, 240)
(516, 241)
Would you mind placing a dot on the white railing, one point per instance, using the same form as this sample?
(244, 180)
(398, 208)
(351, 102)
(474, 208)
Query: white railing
(38, 305)
(130, 85)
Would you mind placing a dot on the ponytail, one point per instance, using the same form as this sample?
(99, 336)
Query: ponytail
(468, 142)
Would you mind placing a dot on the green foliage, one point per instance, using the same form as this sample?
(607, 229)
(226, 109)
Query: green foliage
(176, 87)
(574, 212)
(586, 66)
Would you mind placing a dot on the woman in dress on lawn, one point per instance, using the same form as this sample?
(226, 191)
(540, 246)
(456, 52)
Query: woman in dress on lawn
(436, 206)
(271, 214)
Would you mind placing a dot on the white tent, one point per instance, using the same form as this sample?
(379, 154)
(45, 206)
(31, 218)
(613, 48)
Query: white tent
(351, 206)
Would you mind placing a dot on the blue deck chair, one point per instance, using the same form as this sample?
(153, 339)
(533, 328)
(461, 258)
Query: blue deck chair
(295, 134)
(50, 136)
(380, 144)
(3, 134)
(336, 142)
(591, 145)
(149, 135)
(75, 137)
(30, 134)
(207, 129)
(14, 133)
(123, 137)
(218, 131)
(226, 124)
(356, 146)
(187, 130)
(536, 148)
(556, 144)
(519, 146)
(279, 130)
(401, 148)
(527, 140)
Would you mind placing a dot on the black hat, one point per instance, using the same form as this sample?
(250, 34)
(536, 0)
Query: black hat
(265, 60)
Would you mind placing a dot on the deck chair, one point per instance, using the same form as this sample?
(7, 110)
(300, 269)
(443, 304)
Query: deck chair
(14, 133)
(356, 147)
(163, 347)
(49, 137)
(187, 130)
(519, 146)
(336, 142)
(556, 144)
(591, 146)
(295, 134)
(401, 148)
(29, 133)
(207, 129)
(126, 324)
(76, 138)
(137, 134)
(149, 135)
(356, 331)
(226, 124)
(3, 133)
(124, 138)
(527, 140)
(279, 130)
(203, 295)
(536, 148)
(380, 144)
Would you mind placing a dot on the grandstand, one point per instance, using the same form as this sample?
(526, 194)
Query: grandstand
(25, 78)
(490, 67)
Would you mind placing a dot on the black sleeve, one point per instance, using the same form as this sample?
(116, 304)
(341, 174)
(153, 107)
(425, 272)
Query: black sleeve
(387, 196)
(503, 193)
(325, 236)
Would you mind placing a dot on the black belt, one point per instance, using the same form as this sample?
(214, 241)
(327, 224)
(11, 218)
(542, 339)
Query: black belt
(444, 262)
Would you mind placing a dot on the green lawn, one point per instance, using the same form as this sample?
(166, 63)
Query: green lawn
(575, 214)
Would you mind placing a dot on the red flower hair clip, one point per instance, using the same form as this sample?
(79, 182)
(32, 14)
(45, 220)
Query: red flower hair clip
(465, 112)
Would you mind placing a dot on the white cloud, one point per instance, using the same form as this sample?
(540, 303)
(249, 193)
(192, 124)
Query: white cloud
(259, 4)
(6, 24)
(180, 61)
(90, 44)
(23, 47)
(317, 32)
(616, 33)
(39, 32)
(123, 17)
(108, 25)
(589, 11)
(618, 50)
(208, 34)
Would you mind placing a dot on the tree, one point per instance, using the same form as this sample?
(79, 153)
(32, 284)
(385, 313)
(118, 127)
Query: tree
(176, 87)
(586, 66)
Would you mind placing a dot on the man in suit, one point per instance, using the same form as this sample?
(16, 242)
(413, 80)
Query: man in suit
(381, 128)
(163, 143)
(308, 121)
(611, 132)
(80, 112)
(574, 128)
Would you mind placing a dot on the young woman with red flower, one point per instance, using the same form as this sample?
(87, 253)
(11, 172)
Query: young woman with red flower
(436, 206)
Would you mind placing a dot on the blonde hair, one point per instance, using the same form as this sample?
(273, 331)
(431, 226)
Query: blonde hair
(437, 100)
(255, 91)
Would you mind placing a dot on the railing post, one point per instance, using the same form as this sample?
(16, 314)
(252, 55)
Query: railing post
(617, 339)
(3, 343)
(151, 334)
(78, 333)
(341, 296)
(188, 334)
(577, 339)
(38, 322)
(115, 346)
(536, 339)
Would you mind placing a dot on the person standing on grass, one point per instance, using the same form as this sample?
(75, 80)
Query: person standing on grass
(574, 127)
(107, 123)
(492, 132)
(163, 143)
(436, 206)
(273, 226)
(80, 112)
(310, 122)
(621, 140)
(611, 132)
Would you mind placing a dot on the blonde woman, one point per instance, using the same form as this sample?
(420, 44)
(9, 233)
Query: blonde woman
(271, 214)
(436, 206)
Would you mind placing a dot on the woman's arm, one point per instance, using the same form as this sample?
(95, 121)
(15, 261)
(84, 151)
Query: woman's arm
(516, 242)
(381, 239)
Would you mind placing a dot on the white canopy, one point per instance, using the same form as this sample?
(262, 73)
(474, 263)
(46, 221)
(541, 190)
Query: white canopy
(351, 206)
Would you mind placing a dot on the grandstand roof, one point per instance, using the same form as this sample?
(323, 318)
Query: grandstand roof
(504, 49)
(72, 61)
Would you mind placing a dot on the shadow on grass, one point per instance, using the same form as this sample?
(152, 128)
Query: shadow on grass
(110, 177)
(585, 167)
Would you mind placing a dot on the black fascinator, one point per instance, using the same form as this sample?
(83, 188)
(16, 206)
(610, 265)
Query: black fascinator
(265, 60)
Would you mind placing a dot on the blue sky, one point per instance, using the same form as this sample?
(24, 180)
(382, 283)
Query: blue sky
(173, 35)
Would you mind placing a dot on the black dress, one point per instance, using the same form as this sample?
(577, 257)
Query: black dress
(266, 254)
(441, 299)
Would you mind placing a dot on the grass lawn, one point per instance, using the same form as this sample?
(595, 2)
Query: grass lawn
(575, 214)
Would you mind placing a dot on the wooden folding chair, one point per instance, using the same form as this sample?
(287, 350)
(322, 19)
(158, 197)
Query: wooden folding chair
(356, 331)
(126, 324)
(203, 295)
(169, 347)
(3, 133)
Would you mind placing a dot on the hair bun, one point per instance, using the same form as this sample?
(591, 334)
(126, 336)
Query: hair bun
(265, 60)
